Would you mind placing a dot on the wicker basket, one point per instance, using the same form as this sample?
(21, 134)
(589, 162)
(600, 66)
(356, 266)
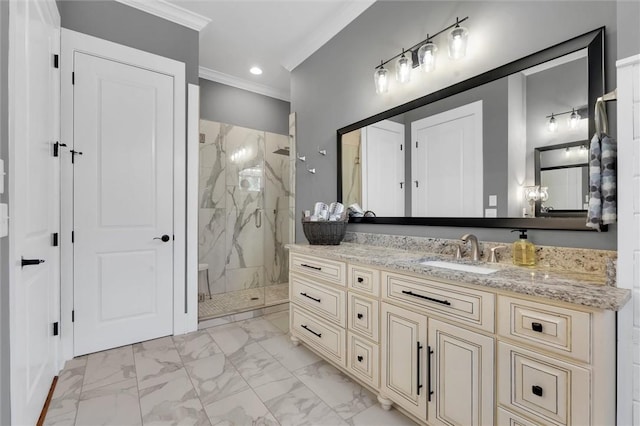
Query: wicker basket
(324, 233)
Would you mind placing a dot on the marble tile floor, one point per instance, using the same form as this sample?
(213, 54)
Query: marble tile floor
(243, 373)
(242, 300)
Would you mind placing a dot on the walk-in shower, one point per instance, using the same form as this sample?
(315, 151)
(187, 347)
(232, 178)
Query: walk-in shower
(243, 219)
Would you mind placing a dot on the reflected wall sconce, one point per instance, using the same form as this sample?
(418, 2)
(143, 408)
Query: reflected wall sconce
(422, 54)
(573, 119)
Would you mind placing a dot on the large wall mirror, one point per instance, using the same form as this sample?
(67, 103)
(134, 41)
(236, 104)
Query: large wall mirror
(507, 148)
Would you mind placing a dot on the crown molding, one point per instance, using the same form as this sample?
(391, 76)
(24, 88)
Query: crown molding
(170, 12)
(240, 83)
(350, 10)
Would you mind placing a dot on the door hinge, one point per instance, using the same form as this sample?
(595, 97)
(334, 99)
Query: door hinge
(73, 316)
(416, 144)
(73, 237)
(416, 184)
(56, 61)
(54, 239)
(400, 147)
(73, 78)
(55, 329)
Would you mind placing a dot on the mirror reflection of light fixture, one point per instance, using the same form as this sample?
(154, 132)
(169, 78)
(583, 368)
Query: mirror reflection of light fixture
(427, 56)
(422, 54)
(381, 79)
(404, 65)
(574, 119)
(552, 124)
(533, 194)
(458, 41)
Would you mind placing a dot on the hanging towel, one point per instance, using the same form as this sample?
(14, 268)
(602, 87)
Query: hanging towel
(602, 181)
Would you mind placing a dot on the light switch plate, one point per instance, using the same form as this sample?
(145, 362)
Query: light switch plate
(493, 200)
(490, 212)
(2, 173)
(4, 220)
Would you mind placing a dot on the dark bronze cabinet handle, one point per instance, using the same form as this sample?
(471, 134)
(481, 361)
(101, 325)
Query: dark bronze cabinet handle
(317, 268)
(30, 262)
(312, 298)
(536, 326)
(418, 349)
(360, 316)
(360, 279)
(429, 353)
(360, 358)
(537, 390)
(410, 293)
(311, 331)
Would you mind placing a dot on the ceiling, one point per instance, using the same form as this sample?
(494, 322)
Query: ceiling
(276, 35)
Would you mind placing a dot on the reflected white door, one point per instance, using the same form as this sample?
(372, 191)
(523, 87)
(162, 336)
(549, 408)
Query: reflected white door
(383, 168)
(446, 163)
(123, 204)
(33, 198)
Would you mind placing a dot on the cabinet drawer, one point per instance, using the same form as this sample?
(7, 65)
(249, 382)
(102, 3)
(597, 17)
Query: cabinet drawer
(364, 279)
(321, 299)
(327, 338)
(507, 418)
(330, 270)
(559, 330)
(456, 303)
(537, 385)
(364, 316)
(363, 359)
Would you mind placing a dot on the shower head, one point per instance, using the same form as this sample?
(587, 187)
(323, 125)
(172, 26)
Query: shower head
(282, 151)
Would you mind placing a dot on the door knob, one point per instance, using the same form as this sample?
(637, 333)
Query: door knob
(164, 238)
(29, 262)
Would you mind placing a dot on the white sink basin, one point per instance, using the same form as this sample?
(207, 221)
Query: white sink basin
(459, 267)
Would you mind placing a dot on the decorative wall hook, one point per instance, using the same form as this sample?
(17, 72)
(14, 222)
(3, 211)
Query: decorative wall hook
(302, 158)
(312, 170)
(322, 151)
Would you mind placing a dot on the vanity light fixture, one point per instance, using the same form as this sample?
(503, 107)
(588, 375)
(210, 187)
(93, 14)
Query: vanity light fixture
(573, 119)
(422, 54)
(404, 65)
(553, 124)
(458, 41)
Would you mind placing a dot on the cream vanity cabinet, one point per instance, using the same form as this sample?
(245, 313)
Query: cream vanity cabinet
(431, 366)
(456, 354)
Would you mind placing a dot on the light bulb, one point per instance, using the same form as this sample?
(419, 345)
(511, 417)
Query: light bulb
(381, 79)
(458, 42)
(404, 65)
(574, 119)
(427, 56)
(553, 124)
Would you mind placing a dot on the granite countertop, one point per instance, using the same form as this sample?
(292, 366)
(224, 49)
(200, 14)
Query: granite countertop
(577, 288)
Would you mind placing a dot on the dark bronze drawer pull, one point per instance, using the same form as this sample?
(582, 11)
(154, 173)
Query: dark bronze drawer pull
(360, 279)
(410, 293)
(537, 390)
(360, 316)
(360, 358)
(429, 353)
(317, 268)
(312, 298)
(311, 331)
(536, 326)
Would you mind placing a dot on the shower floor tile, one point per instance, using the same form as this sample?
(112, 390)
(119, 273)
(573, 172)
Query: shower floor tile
(242, 300)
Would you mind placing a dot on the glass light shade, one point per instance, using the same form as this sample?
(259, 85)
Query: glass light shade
(381, 80)
(458, 42)
(553, 124)
(404, 65)
(427, 56)
(544, 194)
(574, 119)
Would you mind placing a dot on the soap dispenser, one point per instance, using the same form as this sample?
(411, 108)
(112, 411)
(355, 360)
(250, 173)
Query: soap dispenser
(524, 252)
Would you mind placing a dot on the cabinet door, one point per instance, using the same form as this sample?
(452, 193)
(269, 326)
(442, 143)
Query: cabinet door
(461, 375)
(404, 348)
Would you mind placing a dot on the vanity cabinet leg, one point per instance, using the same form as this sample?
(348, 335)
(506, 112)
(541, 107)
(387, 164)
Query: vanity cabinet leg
(295, 341)
(385, 403)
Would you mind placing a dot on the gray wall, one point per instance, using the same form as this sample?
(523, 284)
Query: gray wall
(628, 28)
(4, 249)
(334, 87)
(116, 22)
(226, 104)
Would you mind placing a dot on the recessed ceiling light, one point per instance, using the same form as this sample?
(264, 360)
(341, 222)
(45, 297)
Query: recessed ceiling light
(255, 70)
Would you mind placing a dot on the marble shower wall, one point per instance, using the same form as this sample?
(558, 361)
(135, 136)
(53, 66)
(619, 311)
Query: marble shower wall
(243, 210)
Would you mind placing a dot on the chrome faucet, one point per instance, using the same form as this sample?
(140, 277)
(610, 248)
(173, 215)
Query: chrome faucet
(475, 252)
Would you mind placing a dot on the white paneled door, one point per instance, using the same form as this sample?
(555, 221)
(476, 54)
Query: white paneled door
(123, 203)
(446, 163)
(33, 198)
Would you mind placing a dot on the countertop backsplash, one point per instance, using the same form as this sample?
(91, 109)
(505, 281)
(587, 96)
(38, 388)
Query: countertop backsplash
(578, 260)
